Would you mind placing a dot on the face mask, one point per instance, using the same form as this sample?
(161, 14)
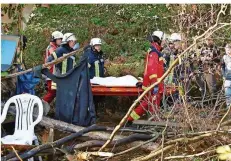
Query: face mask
(76, 47)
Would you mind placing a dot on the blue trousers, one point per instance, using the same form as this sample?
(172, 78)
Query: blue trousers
(227, 85)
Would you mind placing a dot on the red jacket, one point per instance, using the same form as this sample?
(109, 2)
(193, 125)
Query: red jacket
(154, 68)
(50, 49)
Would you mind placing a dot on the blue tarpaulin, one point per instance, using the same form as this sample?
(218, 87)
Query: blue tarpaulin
(26, 83)
(8, 49)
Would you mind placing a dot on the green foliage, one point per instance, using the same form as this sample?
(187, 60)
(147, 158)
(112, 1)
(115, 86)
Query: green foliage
(14, 13)
(122, 27)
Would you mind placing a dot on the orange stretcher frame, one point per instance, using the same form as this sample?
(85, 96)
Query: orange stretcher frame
(99, 90)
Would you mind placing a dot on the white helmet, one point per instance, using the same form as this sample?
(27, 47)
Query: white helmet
(95, 41)
(159, 34)
(68, 37)
(166, 37)
(175, 37)
(57, 35)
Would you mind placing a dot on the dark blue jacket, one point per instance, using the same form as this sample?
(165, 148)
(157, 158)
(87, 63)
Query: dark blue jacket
(95, 62)
(67, 64)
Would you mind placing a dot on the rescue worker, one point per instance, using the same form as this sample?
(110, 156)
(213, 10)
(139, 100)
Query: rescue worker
(56, 40)
(95, 64)
(169, 53)
(68, 43)
(95, 58)
(182, 72)
(154, 69)
(226, 72)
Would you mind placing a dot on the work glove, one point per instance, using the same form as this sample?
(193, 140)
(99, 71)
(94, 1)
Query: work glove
(139, 84)
(37, 71)
(76, 47)
(46, 86)
(155, 90)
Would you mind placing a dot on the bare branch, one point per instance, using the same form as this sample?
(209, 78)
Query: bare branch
(223, 8)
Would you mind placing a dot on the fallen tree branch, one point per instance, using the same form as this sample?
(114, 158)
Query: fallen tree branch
(45, 65)
(226, 123)
(171, 144)
(189, 156)
(122, 122)
(219, 125)
(59, 142)
(16, 153)
(196, 138)
(87, 155)
(154, 154)
(133, 148)
(97, 143)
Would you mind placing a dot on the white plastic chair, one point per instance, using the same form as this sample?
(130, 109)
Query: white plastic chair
(24, 124)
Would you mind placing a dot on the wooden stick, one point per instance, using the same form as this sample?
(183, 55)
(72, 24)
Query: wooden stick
(46, 64)
(135, 147)
(219, 125)
(172, 143)
(154, 154)
(189, 156)
(16, 153)
(126, 140)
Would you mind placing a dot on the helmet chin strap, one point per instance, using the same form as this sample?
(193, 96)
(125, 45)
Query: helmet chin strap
(69, 36)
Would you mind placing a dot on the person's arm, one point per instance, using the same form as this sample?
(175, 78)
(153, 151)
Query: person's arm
(150, 74)
(49, 75)
(55, 55)
(84, 56)
(153, 67)
(51, 50)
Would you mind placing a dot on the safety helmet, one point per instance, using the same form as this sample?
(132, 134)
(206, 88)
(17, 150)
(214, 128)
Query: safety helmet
(68, 37)
(159, 34)
(95, 41)
(56, 35)
(166, 37)
(175, 37)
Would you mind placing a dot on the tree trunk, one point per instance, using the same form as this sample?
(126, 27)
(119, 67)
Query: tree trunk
(60, 125)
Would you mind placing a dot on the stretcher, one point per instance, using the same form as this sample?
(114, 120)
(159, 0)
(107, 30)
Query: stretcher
(100, 90)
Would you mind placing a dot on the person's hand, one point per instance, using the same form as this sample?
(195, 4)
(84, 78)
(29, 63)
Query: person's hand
(139, 84)
(46, 86)
(155, 90)
(191, 74)
(223, 79)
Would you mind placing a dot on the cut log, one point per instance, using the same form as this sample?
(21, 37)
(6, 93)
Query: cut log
(60, 125)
